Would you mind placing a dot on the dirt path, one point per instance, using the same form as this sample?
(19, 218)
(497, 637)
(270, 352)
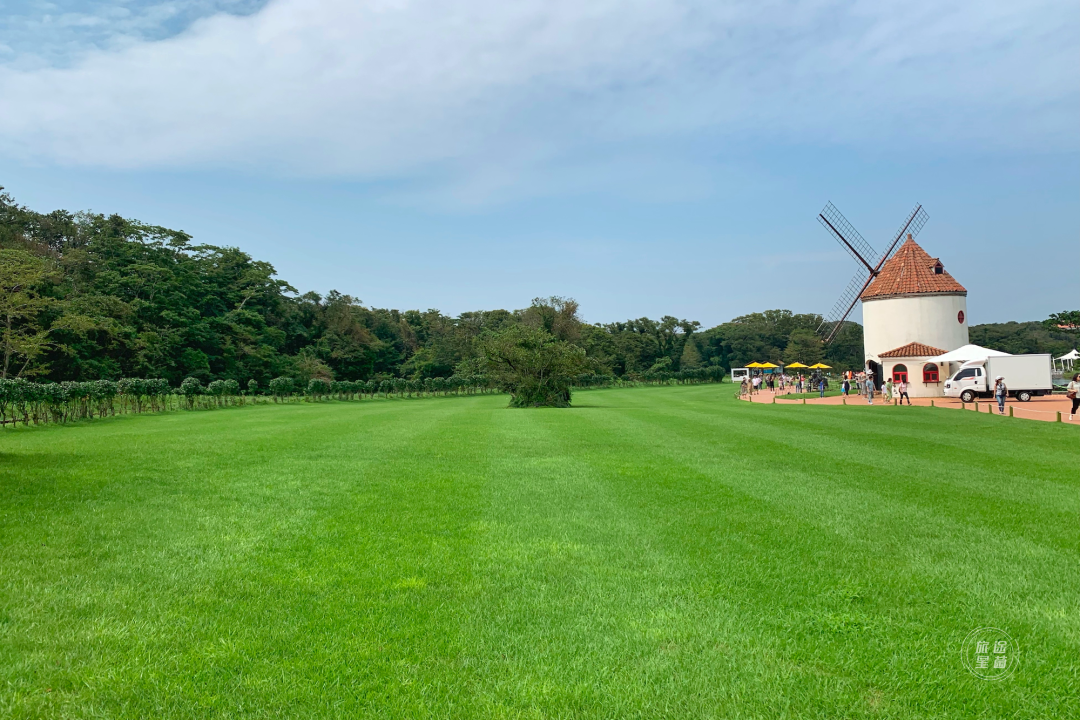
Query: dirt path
(1039, 408)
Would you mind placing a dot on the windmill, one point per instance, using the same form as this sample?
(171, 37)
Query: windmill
(868, 259)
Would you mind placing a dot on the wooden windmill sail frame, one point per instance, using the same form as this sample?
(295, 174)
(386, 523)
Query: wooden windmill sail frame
(869, 261)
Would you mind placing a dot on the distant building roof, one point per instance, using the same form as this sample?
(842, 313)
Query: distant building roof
(911, 271)
(913, 349)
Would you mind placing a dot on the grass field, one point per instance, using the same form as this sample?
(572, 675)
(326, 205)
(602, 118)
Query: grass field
(799, 396)
(651, 552)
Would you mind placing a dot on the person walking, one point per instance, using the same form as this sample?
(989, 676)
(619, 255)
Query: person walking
(887, 393)
(1000, 392)
(743, 389)
(756, 384)
(869, 390)
(821, 386)
(901, 392)
(1073, 393)
(846, 387)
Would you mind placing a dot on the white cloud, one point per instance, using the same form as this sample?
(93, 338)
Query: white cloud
(40, 33)
(487, 89)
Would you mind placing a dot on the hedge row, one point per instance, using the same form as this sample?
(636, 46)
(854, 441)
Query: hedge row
(39, 403)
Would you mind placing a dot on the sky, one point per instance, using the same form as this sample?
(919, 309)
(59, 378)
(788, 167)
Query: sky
(644, 157)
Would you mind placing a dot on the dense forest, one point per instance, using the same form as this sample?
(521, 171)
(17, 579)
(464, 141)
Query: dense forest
(85, 296)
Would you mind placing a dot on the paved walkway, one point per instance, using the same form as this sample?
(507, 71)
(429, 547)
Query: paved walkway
(1039, 408)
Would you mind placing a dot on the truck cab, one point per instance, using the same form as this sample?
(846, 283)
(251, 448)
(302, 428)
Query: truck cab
(967, 384)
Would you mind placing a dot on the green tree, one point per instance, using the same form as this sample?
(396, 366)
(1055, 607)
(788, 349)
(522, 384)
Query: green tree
(558, 316)
(1068, 321)
(308, 366)
(1027, 337)
(533, 366)
(804, 346)
(24, 338)
(691, 356)
(845, 352)
(191, 388)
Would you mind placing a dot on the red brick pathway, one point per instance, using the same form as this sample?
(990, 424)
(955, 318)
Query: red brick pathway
(1039, 408)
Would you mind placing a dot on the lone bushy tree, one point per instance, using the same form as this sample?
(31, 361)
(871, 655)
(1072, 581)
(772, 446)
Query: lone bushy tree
(190, 389)
(533, 366)
(281, 388)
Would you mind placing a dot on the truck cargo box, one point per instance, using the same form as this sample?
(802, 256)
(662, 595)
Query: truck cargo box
(1021, 372)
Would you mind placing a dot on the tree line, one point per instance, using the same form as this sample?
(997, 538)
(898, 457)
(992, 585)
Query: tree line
(86, 297)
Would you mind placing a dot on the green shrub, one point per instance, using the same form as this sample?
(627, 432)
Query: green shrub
(533, 366)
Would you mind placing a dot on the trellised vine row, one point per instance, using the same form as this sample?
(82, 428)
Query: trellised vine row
(30, 403)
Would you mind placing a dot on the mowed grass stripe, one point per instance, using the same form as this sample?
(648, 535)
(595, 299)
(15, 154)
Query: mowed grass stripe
(330, 562)
(832, 482)
(987, 577)
(579, 606)
(662, 552)
(731, 538)
(983, 479)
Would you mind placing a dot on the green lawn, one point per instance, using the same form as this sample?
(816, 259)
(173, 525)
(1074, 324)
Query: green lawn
(651, 552)
(833, 392)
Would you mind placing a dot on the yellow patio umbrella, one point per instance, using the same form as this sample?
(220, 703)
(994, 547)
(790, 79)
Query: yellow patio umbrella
(754, 365)
(797, 365)
(820, 366)
(768, 365)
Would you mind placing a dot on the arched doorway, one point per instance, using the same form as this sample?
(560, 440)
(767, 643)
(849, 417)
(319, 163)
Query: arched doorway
(876, 370)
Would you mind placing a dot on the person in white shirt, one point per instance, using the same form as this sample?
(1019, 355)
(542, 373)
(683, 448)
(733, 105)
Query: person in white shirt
(1073, 393)
(901, 392)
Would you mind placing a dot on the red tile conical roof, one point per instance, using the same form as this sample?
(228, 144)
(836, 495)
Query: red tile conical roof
(911, 271)
(913, 349)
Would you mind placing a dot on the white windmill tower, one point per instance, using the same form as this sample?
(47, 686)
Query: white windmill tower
(913, 310)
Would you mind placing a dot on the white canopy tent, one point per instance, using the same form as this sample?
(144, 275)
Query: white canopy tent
(968, 353)
(1066, 361)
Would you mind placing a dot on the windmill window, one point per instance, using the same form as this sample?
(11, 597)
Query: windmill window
(939, 269)
(899, 373)
(930, 373)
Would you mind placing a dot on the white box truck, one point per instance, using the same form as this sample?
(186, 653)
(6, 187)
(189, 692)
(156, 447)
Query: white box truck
(1025, 376)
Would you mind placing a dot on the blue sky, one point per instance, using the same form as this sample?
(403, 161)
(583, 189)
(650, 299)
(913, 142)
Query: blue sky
(644, 157)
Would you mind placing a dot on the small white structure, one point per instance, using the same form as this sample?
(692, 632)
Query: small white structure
(1066, 362)
(913, 311)
(968, 353)
(914, 364)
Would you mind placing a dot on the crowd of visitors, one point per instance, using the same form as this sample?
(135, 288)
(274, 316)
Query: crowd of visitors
(776, 383)
(783, 384)
(862, 383)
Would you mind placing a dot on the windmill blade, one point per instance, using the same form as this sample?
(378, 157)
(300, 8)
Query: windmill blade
(870, 262)
(831, 323)
(912, 225)
(849, 238)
